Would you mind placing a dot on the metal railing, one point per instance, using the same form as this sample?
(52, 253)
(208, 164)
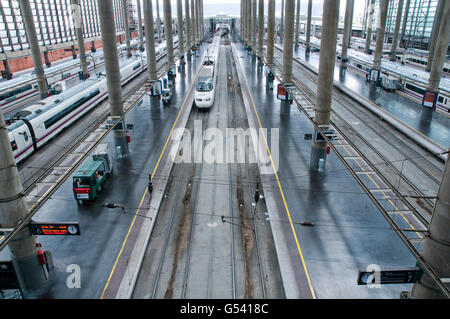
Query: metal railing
(392, 205)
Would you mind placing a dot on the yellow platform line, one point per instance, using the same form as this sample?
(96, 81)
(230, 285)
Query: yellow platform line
(145, 192)
(283, 197)
(384, 194)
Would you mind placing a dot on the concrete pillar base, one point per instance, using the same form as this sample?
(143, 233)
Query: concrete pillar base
(427, 114)
(6, 74)
(155, 103)
(83, 76)
(29, 272)
(120, 140)
(318, 157)
(285, 107)
(47, 61)
(171, 79)
(375, 77)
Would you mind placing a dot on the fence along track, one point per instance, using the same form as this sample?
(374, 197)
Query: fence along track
(389, 194)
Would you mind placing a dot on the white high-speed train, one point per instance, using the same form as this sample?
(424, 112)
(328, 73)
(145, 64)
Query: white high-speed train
(42, 121)
(205, 87)
(23, 89)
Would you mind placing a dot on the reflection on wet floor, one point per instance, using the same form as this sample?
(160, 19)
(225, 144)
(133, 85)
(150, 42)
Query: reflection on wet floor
(398, 105)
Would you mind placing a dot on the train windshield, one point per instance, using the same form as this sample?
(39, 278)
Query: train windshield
(204, 86)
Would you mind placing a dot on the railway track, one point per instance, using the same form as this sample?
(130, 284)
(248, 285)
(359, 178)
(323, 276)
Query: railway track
(396, 158)
(250, 179)
(31, 174)
(206, 243)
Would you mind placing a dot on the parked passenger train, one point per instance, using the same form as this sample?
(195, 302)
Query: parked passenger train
(23, 88)
(205, 88)
(44, 120)
(419, 58)
(413, 89)
(20, 90)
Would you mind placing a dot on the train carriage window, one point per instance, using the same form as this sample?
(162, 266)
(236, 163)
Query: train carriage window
(415, 89)
(137, 66)
(55, 118)
(13, 145)
(441, 99)
(25, 136)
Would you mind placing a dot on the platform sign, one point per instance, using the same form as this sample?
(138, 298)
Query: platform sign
(156, 89)
(429, 99)
(397, 276)
(282, 93)
(55, 229)
(8, 277)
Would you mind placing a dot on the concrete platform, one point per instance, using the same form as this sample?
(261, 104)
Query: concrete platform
(103, 231)
(349, 233)
(396, 104)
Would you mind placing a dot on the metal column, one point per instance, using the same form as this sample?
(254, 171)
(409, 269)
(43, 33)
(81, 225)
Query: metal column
(380, 40)
(244, 21)
(188, 26)
(261, 28)
(241, 7)
(180, 28)
(194, 23)
(108, 29)
(436, 246)
(366, 11)
(405, 20)
(197, 26)
(254, 23)
(14, 209)
(270, 32)
(396, 30)
(347, 29)
(282, 20)
(46, 59)
(325, 81)
(150, 48)
(439, 55)
(288, 47)
(168, 31)
(249, 24)
(369, 27)
(199, 18)
(7, 70)
(435, 33)
(351, 26)
(308, 29)
(158, 21)
(150, 40)
(202, 25)
(30, 28)
(297, 25)
(139, 25)
(127, 28)
(76, 14)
